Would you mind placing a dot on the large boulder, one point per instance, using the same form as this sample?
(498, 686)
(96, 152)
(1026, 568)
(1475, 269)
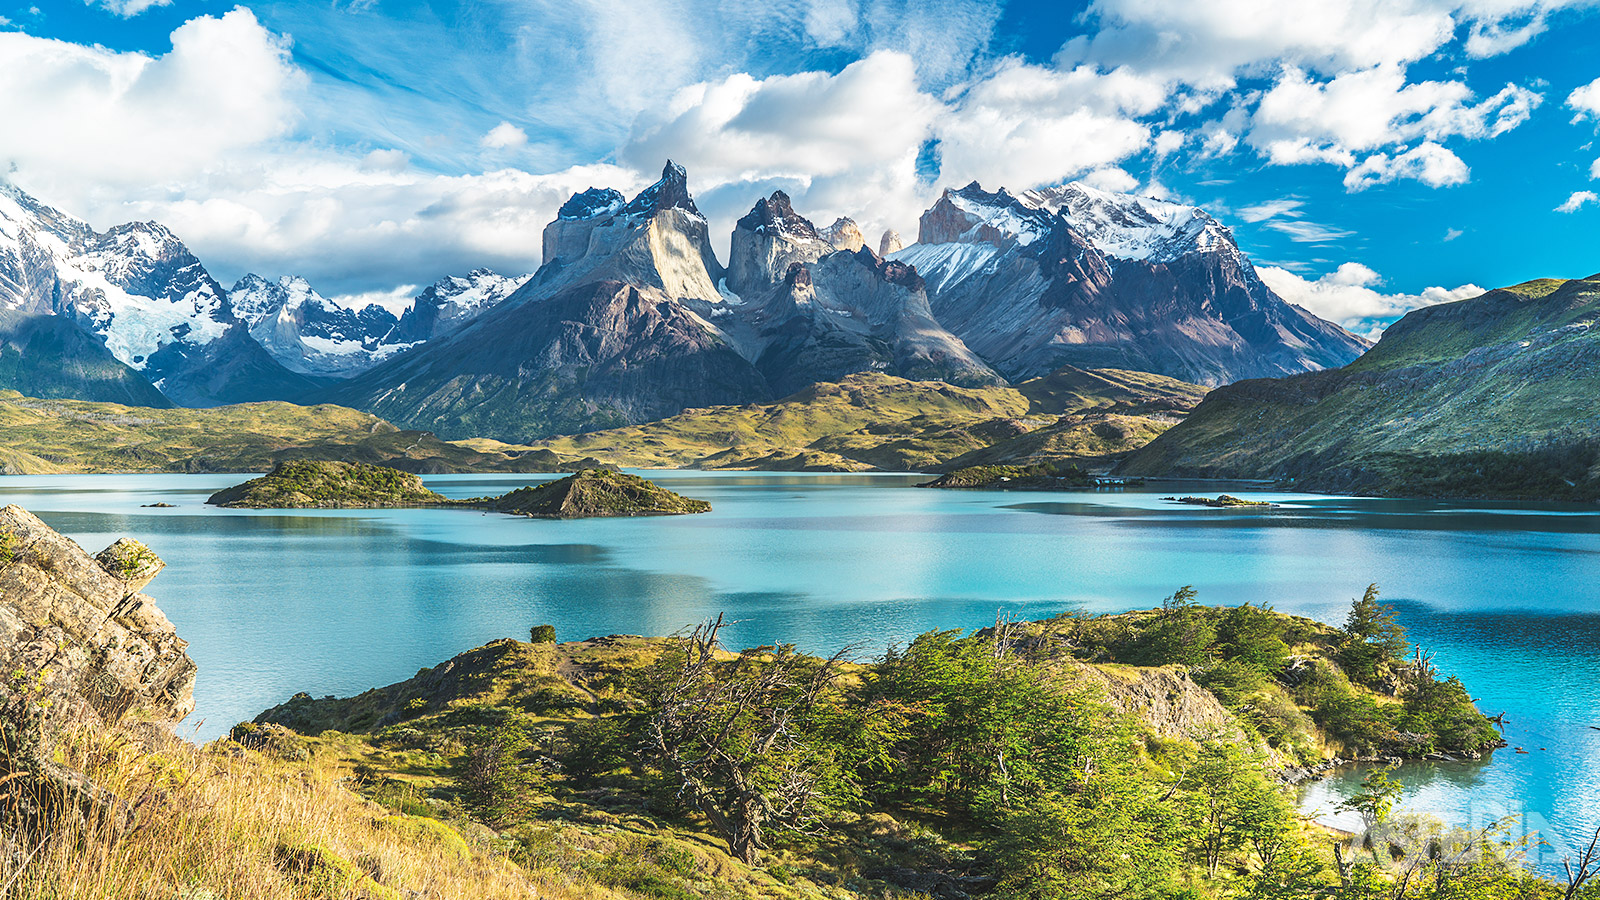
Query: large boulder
(79, 645)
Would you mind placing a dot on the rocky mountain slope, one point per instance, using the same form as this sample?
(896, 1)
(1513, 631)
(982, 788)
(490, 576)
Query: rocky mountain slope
(1076, 276)
(1487, 397)
(144, 295)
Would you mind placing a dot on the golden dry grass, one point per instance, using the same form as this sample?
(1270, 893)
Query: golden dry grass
(219, 822)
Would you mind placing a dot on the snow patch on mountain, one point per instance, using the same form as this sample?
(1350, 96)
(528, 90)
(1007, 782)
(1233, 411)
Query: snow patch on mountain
(1124, 226)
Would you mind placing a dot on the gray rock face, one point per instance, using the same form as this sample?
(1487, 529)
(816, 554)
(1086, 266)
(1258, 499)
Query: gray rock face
(767, 241)
(852, 312)
(80, 642)
(890, 243)
(1074, 276)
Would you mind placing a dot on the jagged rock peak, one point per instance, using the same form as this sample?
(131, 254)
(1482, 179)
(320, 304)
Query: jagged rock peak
(890, 270)
(591, 203)
(890, 242)
(775, 214)
(844, 234)
(671, 192)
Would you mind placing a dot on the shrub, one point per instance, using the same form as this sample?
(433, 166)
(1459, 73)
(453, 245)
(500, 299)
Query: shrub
(542, 634)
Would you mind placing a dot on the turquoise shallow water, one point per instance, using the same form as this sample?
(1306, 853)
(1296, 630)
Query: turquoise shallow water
(334, 602)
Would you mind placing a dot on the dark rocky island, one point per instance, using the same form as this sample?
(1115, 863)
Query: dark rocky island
(590, 493)
(1040, 477)
(1221, 501)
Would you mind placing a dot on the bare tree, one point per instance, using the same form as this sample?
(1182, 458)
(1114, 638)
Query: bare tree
(1588, 866)
(735, 733)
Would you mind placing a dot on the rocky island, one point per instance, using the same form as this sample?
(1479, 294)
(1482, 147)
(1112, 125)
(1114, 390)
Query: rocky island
(1039, 477)
(1221, 501)
(595, 493)
(589, 493)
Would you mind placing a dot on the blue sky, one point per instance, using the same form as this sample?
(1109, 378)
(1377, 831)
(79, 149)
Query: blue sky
(1371, 156)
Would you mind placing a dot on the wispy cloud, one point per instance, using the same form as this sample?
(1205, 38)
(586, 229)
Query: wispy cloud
(1272, 209)
(1309, 232)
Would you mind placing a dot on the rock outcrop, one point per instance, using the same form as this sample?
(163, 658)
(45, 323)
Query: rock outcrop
(79, 646)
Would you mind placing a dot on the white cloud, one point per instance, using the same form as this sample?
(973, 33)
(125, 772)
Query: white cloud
(503, 136)
(1577, 201)
(351, 229)
(1112, 179)
(1025, 125)
(1309, 232)
(1348, 295)
(1428, 163)
(1261, 212)
(1301, 119)
(842, 144)
(96, 117)
(1594, 169)
(1209, 41)
(128, 8)
(1451, 234)
(1586, 101)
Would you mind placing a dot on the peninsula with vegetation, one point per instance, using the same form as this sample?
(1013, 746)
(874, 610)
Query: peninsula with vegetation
(1141, 755)
(588, 493)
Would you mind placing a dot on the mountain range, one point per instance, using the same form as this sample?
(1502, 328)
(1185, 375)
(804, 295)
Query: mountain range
(632, 318)
(1488, 397)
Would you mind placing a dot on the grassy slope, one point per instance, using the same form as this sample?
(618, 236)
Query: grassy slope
(1486, 397)
(876, 421)
(49, 436)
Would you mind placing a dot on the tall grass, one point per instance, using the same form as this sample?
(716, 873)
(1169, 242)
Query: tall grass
(195, 823)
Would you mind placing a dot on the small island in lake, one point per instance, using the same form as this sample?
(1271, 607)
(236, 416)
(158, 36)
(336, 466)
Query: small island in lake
(596, 492)
(1221, 501)
(593, 493)
(1038, 477)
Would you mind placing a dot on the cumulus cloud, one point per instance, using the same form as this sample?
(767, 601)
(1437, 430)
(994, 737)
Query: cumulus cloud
(350, 229)
(1349, 295)
(1429, 163)
(1577, 201)
(1304, 120)
(1025, 125)
(503, 136)
(99, 117)
(1585, 101)
(842, 144)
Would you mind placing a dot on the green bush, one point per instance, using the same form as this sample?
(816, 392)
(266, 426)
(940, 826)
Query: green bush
(542, 634)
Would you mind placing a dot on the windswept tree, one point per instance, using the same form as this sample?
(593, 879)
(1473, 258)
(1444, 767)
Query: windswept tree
(1373, 641)
(749, 739)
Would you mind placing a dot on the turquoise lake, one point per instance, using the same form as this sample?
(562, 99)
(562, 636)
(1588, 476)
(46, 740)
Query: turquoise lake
(334, 602)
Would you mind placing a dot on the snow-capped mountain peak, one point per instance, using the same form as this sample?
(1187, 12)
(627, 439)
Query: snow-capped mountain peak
(1124, 226)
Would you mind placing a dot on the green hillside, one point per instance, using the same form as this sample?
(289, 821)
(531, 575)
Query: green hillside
(874, 421)
(1488, 397)
(50, 356)
(66, 436)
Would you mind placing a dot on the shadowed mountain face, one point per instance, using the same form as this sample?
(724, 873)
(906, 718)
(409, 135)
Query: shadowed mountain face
(1488, 397)
(1076, 276)
(592, 356)
(51, 357)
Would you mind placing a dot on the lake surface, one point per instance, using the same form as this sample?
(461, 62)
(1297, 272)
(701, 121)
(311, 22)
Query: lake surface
(335, 602)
